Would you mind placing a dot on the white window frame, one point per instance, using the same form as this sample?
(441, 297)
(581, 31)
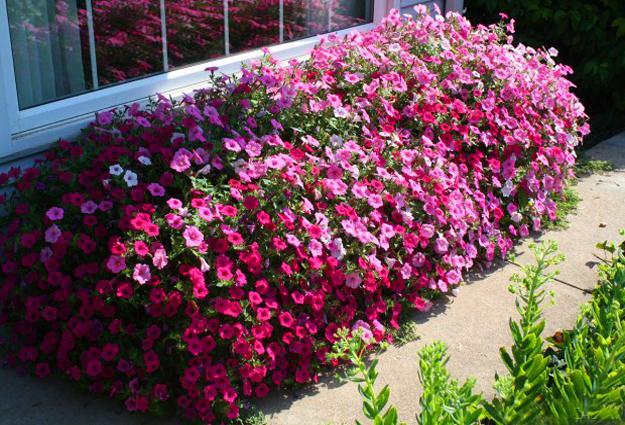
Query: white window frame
(33, 129)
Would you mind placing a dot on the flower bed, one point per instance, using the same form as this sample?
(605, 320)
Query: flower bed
(189, 254)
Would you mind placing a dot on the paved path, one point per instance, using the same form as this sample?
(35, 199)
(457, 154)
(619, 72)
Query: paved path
(474, 325)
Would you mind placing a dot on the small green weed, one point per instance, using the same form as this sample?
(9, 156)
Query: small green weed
(405, 334)
(250, 416)
(567, 204)
(586, 166)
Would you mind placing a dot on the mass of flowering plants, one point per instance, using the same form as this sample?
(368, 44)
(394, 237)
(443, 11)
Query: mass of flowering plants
(192, 253)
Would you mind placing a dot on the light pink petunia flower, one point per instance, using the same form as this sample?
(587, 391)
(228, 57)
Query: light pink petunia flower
(192, 236)
(141, 273)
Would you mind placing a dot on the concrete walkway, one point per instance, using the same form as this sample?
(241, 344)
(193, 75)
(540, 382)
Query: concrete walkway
(474, 325)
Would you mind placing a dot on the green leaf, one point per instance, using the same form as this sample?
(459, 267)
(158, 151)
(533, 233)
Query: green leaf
(368, 409)
(382, 398)
(390, 418)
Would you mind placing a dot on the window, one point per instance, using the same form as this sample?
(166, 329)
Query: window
(64, 48)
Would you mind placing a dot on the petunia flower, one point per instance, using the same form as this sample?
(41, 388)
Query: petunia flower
(141, 273)
(55, 213)
(130, 178)
(193, 237)
(116, 170)
(53, 233)
(116, 263)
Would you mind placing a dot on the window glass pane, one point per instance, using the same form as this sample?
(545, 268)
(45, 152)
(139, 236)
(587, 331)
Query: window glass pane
(53, 50)
(63, 48)
(349, 13)
(128, 41)
(305, 18)
(46, 38)
(195, 31)
(253, 24)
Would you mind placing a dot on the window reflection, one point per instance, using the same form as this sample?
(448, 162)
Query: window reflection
(66, 47)
(253, 24)
(195, 31)
(349, 13)
(128, 41)
(305, 18)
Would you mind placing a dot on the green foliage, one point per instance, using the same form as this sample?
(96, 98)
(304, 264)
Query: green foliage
(575, 377)
(352, 347)
(590, 36)
(526, 361)
(444, 401)
(585, 167)
(250, 416)
(567, 204)
(407, 332)
(593, 353)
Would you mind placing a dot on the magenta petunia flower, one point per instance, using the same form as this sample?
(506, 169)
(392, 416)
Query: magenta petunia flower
(156, 189)
(116, 263)
(53, 233)
(55, 213)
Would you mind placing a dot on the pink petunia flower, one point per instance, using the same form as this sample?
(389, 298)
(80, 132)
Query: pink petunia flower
(156, 189)
(375, 201)
(181, 160)
(53, 233)
(55, 213)
(364, 329)
(141, 273)
(160, 259)
(441, 245)
(192, 236)
(353, 280)
(116, 264)
(232, 145)
(88, 207)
